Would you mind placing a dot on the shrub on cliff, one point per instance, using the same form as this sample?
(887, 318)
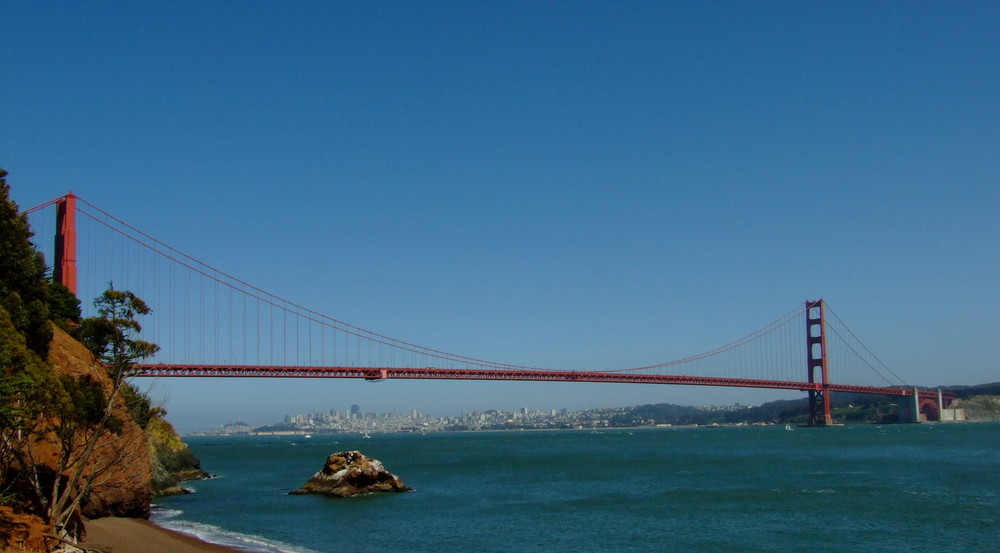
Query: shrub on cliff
(28, 392)
(172, 461)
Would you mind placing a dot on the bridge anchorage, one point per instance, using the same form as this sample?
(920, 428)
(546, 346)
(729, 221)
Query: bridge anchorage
(259, 334)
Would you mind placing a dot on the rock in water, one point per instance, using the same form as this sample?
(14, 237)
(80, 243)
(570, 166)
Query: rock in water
(350, 473)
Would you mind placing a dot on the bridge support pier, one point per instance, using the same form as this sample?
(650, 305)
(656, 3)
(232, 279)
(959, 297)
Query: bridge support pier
(819, 404)
(64, 269)
(909, 408)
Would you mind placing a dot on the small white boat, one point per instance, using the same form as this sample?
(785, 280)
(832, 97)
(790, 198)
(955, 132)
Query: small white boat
(788, 427)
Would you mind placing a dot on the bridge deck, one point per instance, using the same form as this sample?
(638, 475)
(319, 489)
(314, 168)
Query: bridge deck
(435, 373)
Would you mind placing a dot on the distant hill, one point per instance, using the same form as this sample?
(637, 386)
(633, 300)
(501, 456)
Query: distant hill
(965, 392)
(846, 408)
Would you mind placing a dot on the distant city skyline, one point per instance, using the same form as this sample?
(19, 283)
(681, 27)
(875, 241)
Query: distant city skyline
(350, 421)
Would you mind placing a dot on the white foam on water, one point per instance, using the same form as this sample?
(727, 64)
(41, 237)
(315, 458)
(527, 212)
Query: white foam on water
(168, 518)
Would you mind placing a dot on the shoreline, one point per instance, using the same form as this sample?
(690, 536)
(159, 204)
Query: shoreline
(131, 535)
(314, 433)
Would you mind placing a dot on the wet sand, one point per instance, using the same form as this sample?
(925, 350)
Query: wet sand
(129, 535)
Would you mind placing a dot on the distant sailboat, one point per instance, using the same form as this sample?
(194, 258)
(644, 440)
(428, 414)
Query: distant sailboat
(788, 427)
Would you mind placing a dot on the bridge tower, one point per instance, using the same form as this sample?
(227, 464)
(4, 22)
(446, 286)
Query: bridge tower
(64, 269)
(819, 405)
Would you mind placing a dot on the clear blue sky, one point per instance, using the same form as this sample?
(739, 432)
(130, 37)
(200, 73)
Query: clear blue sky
(540, 183)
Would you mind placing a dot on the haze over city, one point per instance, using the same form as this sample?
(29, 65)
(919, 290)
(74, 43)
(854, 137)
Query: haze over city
(550, 184)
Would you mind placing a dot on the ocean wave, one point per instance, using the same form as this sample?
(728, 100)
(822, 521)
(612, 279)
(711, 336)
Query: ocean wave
(168, 518)
(161, 513)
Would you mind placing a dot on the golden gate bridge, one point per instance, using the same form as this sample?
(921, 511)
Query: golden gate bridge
(212, 324)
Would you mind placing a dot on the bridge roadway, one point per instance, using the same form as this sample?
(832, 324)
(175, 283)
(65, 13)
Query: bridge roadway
(540, 375)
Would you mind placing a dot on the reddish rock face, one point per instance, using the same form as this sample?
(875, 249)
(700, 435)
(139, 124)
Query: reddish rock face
(124, 487)
(22, 532)
(350, 473)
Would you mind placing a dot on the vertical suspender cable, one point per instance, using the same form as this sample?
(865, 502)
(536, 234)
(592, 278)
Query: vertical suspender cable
(173, 308)
(243, 358)
(198, 306)
(187, 323)
(220, 338)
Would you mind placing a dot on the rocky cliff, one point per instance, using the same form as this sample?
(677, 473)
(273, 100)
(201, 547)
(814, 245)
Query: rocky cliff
(22, 531)
(980, 408)
(172, 461)
(131, 464)
(124, 488)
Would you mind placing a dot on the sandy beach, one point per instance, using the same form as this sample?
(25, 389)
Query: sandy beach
(128, 535)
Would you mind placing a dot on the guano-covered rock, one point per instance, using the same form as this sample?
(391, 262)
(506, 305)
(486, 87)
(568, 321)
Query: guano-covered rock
(350, 473)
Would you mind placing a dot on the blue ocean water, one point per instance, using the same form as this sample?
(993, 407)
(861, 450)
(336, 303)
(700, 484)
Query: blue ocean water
(931, 487)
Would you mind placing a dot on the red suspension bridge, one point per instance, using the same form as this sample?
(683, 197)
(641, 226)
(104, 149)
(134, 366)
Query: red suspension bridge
(212, 324)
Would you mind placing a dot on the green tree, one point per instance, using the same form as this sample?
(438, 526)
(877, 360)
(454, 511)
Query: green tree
(121, 349)
(23, 288)
(64, 307)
